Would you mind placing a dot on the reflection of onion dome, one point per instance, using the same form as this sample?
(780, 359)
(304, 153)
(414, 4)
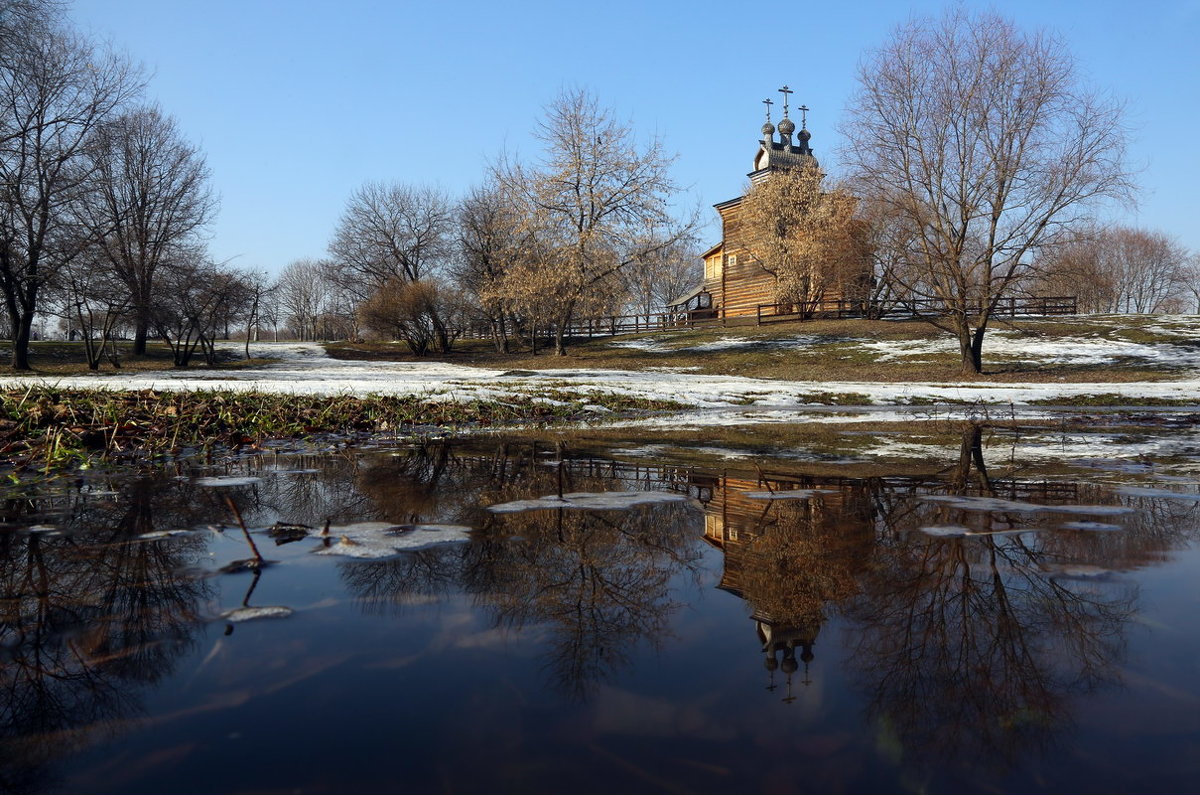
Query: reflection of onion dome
(804, 134)
(787, 126)
(789, 665)
(768, 129)
(771, 663)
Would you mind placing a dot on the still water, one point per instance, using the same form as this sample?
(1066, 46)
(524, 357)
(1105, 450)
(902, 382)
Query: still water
(437, 619)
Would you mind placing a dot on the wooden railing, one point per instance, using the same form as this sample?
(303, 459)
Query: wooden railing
(614, 325)
(1036, 306)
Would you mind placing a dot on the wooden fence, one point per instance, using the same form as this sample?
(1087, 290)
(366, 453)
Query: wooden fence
(615, 325)
(1038, 306)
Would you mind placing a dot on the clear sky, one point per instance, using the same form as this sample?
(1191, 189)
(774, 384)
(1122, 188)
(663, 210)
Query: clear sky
(298, 102)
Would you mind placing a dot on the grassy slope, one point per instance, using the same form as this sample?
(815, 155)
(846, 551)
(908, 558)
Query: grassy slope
(68, 358)
(835, 352)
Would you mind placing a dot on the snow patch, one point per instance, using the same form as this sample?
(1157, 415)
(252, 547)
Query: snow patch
(372, 540)
(593, 501)
(240, 614)
(226, 481)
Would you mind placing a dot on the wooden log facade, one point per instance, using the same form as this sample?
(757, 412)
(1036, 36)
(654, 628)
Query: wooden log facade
(736, 281)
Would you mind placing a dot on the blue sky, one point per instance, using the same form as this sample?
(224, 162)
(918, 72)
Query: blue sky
(297, 103)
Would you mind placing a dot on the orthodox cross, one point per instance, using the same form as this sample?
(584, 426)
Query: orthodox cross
(768, 103)
(785, 91)
(804, 117)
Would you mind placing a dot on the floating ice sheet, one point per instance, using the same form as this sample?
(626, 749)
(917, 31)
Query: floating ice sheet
(998, 505)
(1080, 571)
(595, 501)
(1166, 494)
(226, 481)
(371, 540)
(240, 614)
(788, 494)
(155, 535)
(1096, 526)
(946, 530)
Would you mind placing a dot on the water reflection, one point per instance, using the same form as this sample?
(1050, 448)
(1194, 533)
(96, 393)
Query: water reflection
(968, 627)
(91, 616)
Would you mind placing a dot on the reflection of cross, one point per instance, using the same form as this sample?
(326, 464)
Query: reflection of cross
(785, 91)
(803, 117)
(768, 103)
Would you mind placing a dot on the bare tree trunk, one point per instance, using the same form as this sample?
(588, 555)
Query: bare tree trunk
(140, 335)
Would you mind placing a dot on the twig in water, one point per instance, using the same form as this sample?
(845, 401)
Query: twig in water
(238, 515)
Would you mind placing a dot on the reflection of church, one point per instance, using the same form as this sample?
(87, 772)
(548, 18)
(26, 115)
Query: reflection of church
(789, 558)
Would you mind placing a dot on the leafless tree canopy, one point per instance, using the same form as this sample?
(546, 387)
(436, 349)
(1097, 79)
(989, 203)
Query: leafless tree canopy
(806, 235)
(661, 276)
(150, 198)
(596, 202)
(1120, 269)
(979, 140)
(492, 242)
(304, 294)
(391, 231)
(55, 90)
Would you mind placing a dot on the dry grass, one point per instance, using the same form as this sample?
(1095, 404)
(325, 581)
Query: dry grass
(68, 358)
(833, 352)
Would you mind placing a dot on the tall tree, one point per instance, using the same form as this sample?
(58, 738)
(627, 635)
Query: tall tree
(981, 140)
(807, 236)
(55, 90)
(151, 197)
(597, 201)
(1120, 269)
(302, 294)
(391, 231)
(491, 243)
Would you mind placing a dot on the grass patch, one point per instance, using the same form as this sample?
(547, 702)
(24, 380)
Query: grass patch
(1110, 399)
(54, 429)
(68, 358)
(826, 350)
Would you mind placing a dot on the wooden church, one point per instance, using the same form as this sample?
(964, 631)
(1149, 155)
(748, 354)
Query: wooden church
(734, 283)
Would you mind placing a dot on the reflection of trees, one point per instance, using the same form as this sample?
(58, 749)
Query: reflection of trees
(794, 560)
(597, 580)
(88, 615)
(970, 648)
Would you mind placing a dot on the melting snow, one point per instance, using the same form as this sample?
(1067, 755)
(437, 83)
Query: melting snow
(788, 494)
(946, 530)
(1097, 526)
(1139, 491)
(240, 614)
(226, 481)
(384, 539)
(595, 501)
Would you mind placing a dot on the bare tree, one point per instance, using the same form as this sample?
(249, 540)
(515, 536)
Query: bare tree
(413, 312)
(806, 236)
(662, 276)
(1120, 269)
(391, 231)
(55, 90)
(491, 243)
(303, 293)
(92, 304)
(151, 196)
(596, 202)
(982, 143)
(196, 302)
